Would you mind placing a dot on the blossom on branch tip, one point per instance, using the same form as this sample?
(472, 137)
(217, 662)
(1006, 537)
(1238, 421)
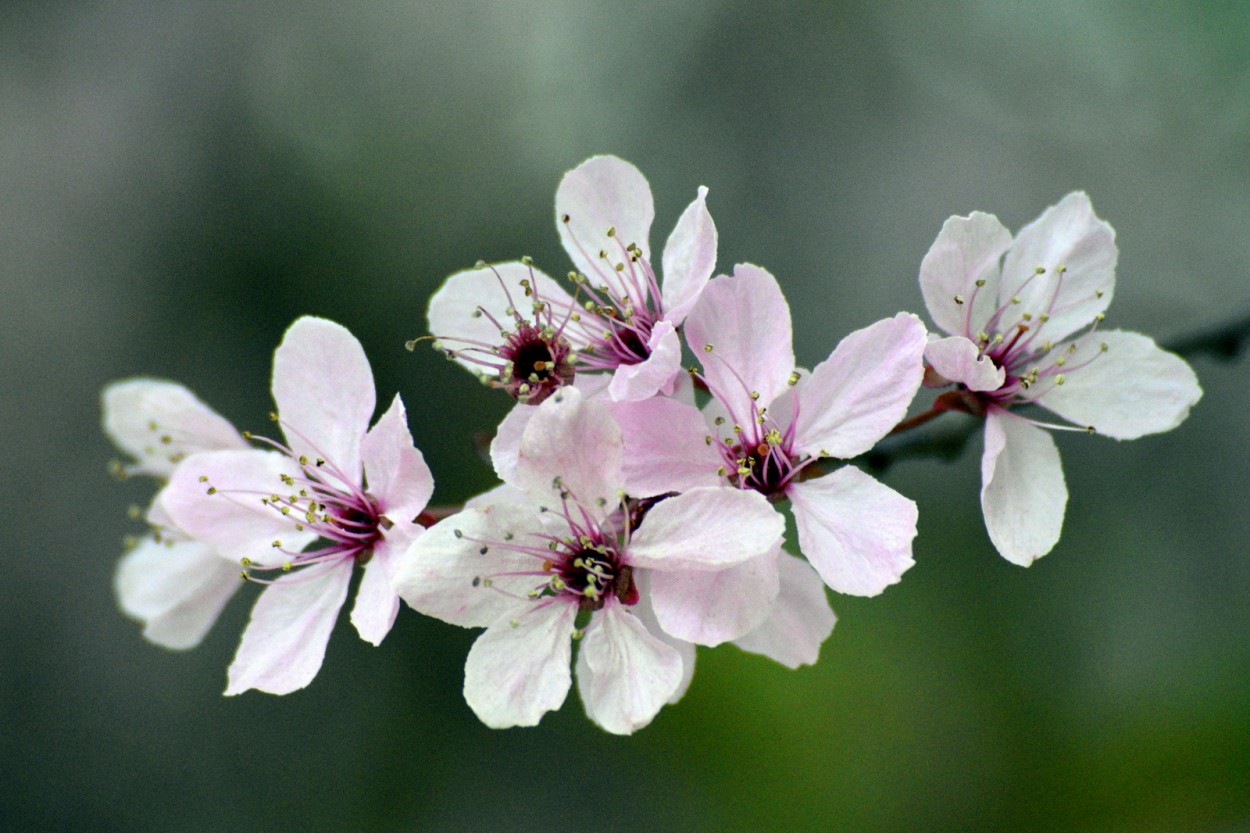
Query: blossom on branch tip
(1025, 323)
(521, 331)
(353, 490)
(567, 558)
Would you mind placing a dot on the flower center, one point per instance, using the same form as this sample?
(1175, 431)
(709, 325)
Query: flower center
(592, 573)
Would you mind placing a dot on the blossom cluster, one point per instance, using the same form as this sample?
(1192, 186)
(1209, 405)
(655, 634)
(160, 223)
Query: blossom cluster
(642, 504)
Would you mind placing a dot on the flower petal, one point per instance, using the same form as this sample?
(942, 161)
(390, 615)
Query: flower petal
(646, 614)
(631, 382)
(689, 259)
(232, 518)
(159, 423)
(572, 444)
(967, 249)
(709, 608)
(601, 194)
(395, 471)
(862, 390)
(960, 360)
(799, 621)
(323, 388)
(1078, 252)
(666, 449)
(446, 575)
(470, 309)
(518, 670)
(1023, 494)
(377, 604)
(746, 321)
(625, 674)
(177, 589)
(856, 532)
(1131, 389)
(285, 640)
(709, 528)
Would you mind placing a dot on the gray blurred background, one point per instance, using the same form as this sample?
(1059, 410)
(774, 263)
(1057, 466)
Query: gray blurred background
(179, 181)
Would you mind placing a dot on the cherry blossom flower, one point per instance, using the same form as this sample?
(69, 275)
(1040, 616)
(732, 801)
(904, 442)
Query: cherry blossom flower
(175, 586)
(768, 424)
(521, 331)
(356, 490)
(565, 559)
(1025, 322)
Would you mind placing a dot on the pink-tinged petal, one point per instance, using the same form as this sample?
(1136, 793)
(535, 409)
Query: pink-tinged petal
(506, 445)
(601, 194)
(159, 423)
(709, 608)
(625, 674)
(689, 259)
(446, 575)
(1131, 389)
(176, 589)
(518, 670)
(1078, 252)
(232, 518)
(1023, 494)
(746, 320)
(706, 529)
(862, 390)
(395, 471)
(323, 388)
(800, 621)
(471, 308)
(967, 249)
(960, 360)
(377, 604)
(501, 494)
(632, 382)
(666, 448)
(856, 532)
(571, 444)
(285, 640)
(686, 650)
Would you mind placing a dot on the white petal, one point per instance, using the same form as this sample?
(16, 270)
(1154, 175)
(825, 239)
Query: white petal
(507, 441)
(708, 528)
(518, 670)
(967, 249)
(666, 449)
(646, 614)
(377, 604)
(177, 589)
(855, 531)
(632, 382)
(800, 620)
(159, 423)
(445, 574)
(1078, 252)
(572, 444)
(746, 320)
(604, 193)
(1023, 494)
(1132, 389)
(960, 360)
(689, 259)
(625, 675)
(395, 472)
(709, 608)
(285, 640)
(232, 519)
(323, 388)
(862, 390)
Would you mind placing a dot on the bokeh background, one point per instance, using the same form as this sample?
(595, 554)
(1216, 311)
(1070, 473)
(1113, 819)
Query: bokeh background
(179, 181)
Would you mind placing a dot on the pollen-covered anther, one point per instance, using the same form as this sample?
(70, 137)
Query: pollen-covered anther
(959, 299)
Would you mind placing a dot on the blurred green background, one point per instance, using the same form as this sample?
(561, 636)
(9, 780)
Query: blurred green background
(179, 181)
